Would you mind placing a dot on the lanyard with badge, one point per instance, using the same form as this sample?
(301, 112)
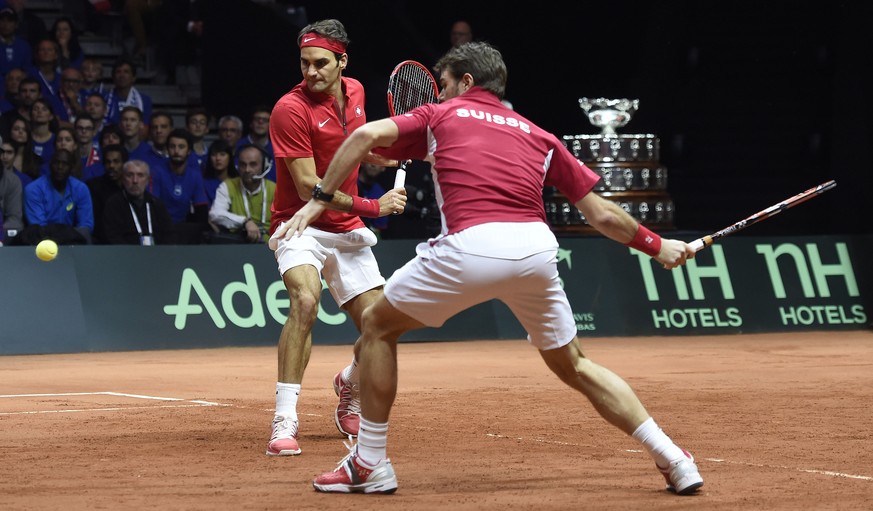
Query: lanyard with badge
(262, 190)
(144, 240)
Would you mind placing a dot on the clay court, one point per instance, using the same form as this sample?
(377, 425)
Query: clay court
(776, 421)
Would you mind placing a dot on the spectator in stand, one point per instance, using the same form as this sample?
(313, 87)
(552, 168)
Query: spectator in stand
(218, 166)
(31, 26)
(159, 130)
(460, 33)
(25, 159)
(95, 107)
(15, 51)
(180, 186)
(28, 92)
(92, 79)
(64, 34)
(111, 134)
(124, 94)
(11, 196)
(7, 161)
(197, 123)
(43, 126)
(70, 104)
(47, 71)
(88, 151)
(58, 205)
(230, 129)
(12, 80)
(259, 135)
(131, 130)
(135, 216)
(105, 186)
(242, 204)
(65, 138)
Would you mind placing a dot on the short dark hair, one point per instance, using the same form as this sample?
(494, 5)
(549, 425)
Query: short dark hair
(131, 108)
(260, 150)
(183, 134)
(162, 113)
(197, 110)
(124, 61)
(482, 60)
(110, 129)
(84, 117)
(116, 148)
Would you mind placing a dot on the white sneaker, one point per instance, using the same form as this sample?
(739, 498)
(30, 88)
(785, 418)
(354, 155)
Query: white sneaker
(682, 475)
(353, 476)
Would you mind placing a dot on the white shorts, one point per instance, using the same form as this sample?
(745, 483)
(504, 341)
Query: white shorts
(345, 260)
(515, 263)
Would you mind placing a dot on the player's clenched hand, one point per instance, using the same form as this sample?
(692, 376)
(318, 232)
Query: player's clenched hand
(301, 219)
(674, 253)
(393, 202)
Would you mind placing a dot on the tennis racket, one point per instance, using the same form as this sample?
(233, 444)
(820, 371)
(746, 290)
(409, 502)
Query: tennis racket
(409, 86)
(701, 243)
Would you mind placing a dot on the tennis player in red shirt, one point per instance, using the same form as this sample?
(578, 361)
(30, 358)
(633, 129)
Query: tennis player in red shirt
(490, 166)
(307, 125)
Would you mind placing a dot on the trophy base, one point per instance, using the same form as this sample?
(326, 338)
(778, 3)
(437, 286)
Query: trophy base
(654, 209)
(614, 148)
(630, 176)
(626, 177)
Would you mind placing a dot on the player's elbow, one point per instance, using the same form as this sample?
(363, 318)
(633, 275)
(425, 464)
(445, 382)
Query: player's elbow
(365, 137)
(605, 221)
(381, 133)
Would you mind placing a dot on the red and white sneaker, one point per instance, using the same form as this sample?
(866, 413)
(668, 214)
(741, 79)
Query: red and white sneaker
(682, 475)
(283, 442)
(353, 476)
(348, 411)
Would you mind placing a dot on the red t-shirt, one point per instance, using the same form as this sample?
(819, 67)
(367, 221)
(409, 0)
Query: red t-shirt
(490, 163)
(305, 124)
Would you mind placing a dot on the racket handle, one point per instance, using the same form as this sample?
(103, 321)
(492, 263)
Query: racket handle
(701, 243)
(400, 178)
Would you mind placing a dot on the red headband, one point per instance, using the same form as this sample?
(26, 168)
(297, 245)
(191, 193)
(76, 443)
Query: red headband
(313, 39)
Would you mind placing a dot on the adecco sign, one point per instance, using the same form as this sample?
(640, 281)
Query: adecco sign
(100, 298)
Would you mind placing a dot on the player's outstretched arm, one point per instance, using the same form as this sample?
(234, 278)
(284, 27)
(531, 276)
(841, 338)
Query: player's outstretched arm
(615, 223)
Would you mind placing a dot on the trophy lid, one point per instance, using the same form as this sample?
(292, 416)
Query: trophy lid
(609, 114)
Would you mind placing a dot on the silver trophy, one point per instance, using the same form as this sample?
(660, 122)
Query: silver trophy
(609, 114)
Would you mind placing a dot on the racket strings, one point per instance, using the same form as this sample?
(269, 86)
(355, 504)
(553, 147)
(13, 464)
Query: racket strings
(410, 87)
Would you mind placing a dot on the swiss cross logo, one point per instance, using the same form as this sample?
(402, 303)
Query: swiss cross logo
(358, 111)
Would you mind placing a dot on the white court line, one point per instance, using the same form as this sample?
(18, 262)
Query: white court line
(192, 402)
(713, 460)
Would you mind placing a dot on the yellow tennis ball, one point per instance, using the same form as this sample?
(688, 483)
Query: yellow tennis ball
(47, 250)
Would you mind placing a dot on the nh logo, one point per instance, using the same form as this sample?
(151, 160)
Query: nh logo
(805, 266)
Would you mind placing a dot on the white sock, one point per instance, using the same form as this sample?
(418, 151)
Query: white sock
(350, 373)
(286, 399)
(372, 442)
(657, 443)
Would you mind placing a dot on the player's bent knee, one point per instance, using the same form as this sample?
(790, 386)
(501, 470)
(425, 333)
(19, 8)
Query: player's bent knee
(562, 362)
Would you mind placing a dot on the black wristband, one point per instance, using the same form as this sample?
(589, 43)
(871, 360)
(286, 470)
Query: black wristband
(317, 194)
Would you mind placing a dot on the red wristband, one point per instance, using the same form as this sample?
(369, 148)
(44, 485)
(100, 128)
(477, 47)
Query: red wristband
(646, 241)
(364, 207)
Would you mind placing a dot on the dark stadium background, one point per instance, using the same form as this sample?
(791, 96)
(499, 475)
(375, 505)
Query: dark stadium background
(752, 101)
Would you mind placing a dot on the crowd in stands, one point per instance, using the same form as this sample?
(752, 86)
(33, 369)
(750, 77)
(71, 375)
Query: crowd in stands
(87, 160)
